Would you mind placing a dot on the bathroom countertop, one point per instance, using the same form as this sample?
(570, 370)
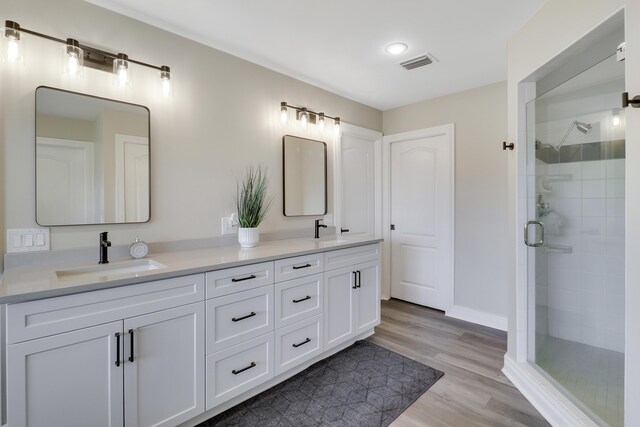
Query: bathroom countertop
(32, 283)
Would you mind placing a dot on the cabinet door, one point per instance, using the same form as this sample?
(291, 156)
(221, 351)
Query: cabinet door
(164, 384)
(66, 380)
(338, 306)
(367, 296)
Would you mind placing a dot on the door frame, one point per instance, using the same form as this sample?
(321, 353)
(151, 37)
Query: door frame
(449, 131)
(120, 140)
(376, 139)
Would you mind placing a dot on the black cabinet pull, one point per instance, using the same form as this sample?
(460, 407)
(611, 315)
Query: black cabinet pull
(355, 280)
(298, 267)
(234, 280)
(302, 343)
(117, 348)
(237, 319)
(301, 299)
(359, 278)
(344, 230)
(234, 372)
(131, 349)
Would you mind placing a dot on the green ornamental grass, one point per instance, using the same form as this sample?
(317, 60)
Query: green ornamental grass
(252, 200)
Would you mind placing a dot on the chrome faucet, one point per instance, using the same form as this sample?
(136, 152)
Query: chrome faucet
(104, 248)
(318, 227)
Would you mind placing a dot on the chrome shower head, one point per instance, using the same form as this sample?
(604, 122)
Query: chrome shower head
(583, 127)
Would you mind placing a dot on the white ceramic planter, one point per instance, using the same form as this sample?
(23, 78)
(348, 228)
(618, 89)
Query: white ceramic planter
(248, 237)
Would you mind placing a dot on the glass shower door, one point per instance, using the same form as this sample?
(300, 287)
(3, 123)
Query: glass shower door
(575, 190)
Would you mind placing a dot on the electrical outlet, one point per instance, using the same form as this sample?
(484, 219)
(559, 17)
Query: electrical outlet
(229, 226)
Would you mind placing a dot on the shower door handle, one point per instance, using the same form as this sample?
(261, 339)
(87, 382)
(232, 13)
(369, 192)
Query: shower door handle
(526, 234)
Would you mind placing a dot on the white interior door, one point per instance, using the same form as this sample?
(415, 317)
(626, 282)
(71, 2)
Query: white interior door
(421, 217)
(358, 189)
(65, 181)
(132, 178)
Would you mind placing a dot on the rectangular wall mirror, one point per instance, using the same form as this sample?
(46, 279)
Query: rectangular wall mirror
(92, 160)
(305, 176)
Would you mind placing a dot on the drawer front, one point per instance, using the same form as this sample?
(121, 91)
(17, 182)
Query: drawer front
(346, 257)
(298, 343)
(238, 369)
(237, 279)
(298, 299)
(235, 318)
(36, 319)
(292, 268)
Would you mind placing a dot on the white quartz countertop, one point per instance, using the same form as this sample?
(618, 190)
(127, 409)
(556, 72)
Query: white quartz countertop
(31, 283)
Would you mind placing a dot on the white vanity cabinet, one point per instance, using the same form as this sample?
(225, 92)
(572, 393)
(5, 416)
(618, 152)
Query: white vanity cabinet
(351, 293)
(145, 370)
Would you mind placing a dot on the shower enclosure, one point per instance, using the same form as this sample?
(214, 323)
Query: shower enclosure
(576, 235)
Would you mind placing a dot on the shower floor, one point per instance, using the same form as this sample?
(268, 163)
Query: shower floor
(594, 376)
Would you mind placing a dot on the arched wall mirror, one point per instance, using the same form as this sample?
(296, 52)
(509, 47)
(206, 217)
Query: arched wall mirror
(305, 176)
(92, 160)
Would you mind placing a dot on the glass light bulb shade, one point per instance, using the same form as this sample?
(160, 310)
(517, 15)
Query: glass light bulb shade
(304, 119)
(121, 71)
(73, 61)
(336, 125)
(12, 46)
(321, 123)
(284, 115)
(166, 88)
(615, 121)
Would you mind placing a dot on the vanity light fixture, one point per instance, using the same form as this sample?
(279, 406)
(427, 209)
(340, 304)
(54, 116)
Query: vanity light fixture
(77, 56)
(73, 58)
(307, 116)
(11, 38)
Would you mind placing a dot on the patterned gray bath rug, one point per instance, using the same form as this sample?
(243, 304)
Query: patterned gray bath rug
(364, 385)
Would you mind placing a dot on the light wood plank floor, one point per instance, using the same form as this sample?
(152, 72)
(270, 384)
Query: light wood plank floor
(473, 391)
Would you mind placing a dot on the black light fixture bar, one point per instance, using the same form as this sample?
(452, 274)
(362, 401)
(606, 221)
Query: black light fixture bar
(312, 114)
(93, 57)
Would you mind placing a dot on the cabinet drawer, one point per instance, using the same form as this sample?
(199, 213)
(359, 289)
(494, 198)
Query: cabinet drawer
(292, 268)
(298, 299)
(237, 369)
(238, 317)
(237, 279)
(298, 343)
(346, 257)
(36, 319)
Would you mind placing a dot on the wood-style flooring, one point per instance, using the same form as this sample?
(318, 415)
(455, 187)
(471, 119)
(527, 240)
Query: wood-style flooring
(473, 391)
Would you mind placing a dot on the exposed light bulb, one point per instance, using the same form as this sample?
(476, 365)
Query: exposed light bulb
(284, 113)
(122, 75)
(321, 122)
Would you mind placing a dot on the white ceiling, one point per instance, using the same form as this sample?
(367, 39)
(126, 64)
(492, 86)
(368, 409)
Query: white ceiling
(339, 45)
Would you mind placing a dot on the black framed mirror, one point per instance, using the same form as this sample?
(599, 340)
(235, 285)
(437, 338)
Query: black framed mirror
(92, 160)
(304, 176)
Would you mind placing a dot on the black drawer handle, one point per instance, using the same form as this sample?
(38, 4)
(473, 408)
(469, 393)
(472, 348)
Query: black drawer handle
(117, 348)
(242, 279)
(234, 372)
(302, 343)
(237, 319)
(301, 299)
(298, 267)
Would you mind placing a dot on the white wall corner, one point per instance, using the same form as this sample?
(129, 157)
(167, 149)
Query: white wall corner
(544, 396)
(478, 317)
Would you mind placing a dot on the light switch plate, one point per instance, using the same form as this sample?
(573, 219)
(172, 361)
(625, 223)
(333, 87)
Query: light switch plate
(27, 240)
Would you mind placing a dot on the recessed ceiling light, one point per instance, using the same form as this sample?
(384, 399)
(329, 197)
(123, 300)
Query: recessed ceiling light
(396, 48)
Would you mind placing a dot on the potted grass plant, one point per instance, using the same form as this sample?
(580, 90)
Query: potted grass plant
(252, 202)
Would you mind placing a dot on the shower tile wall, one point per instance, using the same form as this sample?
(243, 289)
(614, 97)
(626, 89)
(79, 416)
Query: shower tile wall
(585, 288)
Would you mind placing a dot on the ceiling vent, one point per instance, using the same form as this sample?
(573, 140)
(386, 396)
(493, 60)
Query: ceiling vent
(417, 62)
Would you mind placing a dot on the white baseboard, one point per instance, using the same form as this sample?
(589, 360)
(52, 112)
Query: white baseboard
(544, 396)
(479, 317)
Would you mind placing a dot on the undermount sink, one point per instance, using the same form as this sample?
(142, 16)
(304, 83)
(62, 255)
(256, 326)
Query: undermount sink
(329, 241)
(106, 271)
